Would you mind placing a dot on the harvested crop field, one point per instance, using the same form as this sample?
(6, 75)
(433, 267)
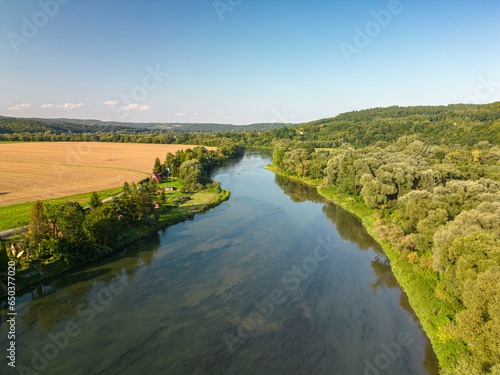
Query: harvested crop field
(45, 170)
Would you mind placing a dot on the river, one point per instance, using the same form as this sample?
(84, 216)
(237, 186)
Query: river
(274, 281)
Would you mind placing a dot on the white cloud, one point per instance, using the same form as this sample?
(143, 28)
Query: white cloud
(18, 107)
(111, 102)
(181, 114)
(194, 113)
(65, 105)
(137, 107)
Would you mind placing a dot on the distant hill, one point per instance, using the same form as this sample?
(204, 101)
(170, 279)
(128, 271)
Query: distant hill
(13, 124)
(465, 124)
(10, 125)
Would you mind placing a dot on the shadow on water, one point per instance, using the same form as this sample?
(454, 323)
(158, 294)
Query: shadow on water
(298, 191)
(47, 308)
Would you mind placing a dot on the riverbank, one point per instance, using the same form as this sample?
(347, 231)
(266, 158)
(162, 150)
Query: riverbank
(168, 215)
(418, 284)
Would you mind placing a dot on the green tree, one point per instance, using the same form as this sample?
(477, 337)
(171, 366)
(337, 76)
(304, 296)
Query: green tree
(375, 192)
(126, 188)
(95, 200)
(100, 226)
(69, 241)
(38, 227)
(157, 166)
(479, 324)
(162, 197)
(174, 162)
(192, 174)
(346, 177)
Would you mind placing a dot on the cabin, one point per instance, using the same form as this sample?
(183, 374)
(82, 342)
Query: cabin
(156, 177)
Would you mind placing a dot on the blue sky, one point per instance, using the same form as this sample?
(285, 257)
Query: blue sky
(243, 61)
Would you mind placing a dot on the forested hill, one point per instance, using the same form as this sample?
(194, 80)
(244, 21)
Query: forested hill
(465, 124)
(9, 125)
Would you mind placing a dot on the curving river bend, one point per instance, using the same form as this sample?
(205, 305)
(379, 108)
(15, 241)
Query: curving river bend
(274, 281)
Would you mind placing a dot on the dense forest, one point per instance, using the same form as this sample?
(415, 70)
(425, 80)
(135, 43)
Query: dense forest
(43, 130)
(40, 126)
(463, 124)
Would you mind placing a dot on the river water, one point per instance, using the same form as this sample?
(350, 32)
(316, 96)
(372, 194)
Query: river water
(273, 281)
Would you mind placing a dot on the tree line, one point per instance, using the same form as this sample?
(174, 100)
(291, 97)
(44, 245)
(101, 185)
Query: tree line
(464, 124)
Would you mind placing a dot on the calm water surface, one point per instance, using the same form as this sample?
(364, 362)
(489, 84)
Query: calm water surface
(273, 281)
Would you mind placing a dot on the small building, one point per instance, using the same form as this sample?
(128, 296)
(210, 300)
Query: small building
(156, 177)
(170, 188)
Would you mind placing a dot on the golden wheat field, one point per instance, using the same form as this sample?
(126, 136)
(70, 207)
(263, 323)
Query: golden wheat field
(38, 170)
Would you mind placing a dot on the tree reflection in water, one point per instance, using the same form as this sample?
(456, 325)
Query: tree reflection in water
(52, 308)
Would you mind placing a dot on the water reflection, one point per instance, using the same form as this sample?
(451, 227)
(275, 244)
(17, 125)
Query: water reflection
(298, 191)
(80, 286)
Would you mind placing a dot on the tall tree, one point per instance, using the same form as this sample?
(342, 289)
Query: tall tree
(162, 198)
(100, 226)
(126, 188)
(38, 226)
(157, 167)
(95, 201)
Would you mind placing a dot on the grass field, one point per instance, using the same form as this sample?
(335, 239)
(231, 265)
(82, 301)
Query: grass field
(49, 170)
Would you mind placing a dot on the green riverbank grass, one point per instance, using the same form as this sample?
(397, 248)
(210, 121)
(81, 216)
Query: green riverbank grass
(418, 283)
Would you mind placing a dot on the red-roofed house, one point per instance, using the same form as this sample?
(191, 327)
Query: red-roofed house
(155, 176)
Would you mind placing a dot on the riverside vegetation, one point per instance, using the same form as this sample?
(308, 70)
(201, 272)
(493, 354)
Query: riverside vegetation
(65, 235)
